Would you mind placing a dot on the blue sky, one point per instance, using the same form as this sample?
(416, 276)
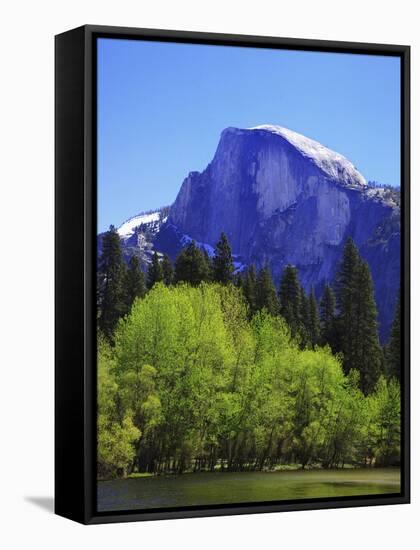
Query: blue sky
(162, 107)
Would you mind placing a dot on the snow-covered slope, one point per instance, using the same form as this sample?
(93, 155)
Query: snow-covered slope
(334, 165)
(126, 230)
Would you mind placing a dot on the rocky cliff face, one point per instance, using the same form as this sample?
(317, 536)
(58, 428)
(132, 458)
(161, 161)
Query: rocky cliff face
(282, 198)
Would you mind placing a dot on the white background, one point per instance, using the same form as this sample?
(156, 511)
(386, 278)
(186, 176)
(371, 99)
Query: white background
(26, 272)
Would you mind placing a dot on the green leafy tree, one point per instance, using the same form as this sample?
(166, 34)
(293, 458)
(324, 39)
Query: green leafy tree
(266, 296)
(167, 270)
(384, 430)
(155, 272)
(180, 333)
(345, 424)
(117, 434)
(222, 261)
(191, 266)
(316, 383)
(134, 286)
(111, 277)
(191, 383)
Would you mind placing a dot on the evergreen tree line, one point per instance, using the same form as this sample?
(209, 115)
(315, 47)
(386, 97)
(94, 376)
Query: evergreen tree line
(345, 318)
(120, 284)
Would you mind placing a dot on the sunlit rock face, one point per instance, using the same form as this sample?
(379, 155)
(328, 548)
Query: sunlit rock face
(259, 180)
(281, 199)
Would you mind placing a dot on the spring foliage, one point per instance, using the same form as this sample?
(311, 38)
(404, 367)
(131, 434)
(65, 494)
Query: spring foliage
(195, 381)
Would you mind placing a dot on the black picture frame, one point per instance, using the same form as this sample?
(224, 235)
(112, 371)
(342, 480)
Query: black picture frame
(75, 271)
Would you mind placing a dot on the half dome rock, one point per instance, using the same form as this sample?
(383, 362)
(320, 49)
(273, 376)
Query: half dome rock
(282, 198)
(256, 175)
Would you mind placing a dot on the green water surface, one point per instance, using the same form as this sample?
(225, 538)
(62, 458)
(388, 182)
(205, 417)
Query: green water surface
(231, 488)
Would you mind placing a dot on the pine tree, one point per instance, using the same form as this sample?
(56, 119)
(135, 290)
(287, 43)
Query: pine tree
(208, 266)
(291, 307)
(134, 282)
(346, 293)
(314, 329)
(238, 279)
(191, 266)
(249, 288)
(266, 296)
(154, 273)
(223, 262)
(357, 320)
(167, 270)
(111, 274)
(328, 320)
(393, 350)
(366, 354)
(303, 321)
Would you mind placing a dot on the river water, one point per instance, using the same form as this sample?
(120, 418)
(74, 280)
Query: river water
(232, 488)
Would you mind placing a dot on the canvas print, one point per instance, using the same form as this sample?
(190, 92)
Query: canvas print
(248, 275)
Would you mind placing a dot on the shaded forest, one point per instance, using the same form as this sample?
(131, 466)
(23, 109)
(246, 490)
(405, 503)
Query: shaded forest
(203, 369)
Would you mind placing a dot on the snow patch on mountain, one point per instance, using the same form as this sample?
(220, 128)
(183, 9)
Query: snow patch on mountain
(386, 195)
(334, 165)
(127, 229)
